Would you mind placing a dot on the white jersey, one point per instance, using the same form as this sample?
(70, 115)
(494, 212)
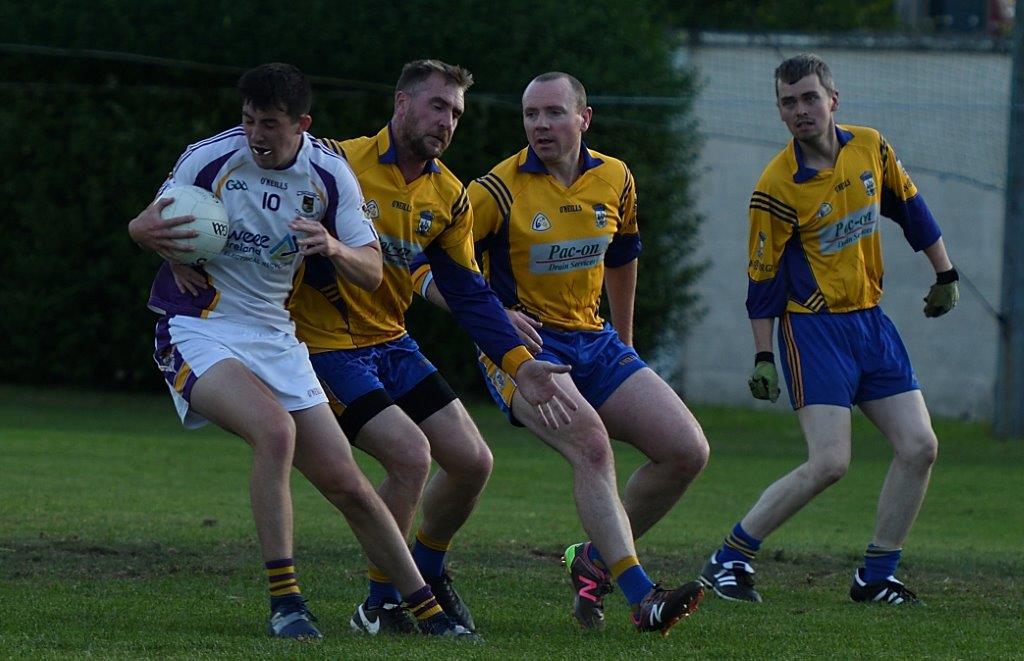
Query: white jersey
(252, 277)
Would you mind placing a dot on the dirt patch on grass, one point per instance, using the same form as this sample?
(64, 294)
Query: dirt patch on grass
(71, 557)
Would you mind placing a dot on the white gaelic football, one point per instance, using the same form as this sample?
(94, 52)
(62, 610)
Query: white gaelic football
(211, 221)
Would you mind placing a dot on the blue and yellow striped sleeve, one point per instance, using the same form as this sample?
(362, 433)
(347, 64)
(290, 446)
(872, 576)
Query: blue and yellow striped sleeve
(492, 203)
(772, 225)
(902, 202)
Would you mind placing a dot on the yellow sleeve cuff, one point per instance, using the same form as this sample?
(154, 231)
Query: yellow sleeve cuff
(511, 361)
(421, 279)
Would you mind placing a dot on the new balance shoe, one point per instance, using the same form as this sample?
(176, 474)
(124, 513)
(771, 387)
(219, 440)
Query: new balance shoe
(450, 601)
(732, 580)
(590, 584)
(293, 620)
(446, 627)
(887, 591)
(661, 609)
(388, 618)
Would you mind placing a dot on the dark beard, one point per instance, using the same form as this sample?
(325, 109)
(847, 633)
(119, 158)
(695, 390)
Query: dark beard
(420, 149)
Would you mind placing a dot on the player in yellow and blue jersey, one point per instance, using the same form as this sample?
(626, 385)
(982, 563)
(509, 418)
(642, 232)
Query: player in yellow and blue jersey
(227, 346)
(553, 224)
(816, 264)
(389, 399)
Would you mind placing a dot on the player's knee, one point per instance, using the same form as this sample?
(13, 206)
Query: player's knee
(274, 438)
(922, 451)
(348, 490)
(410, 466)
(482, 464)
(692, 453)
(827, 472)
(594, 452)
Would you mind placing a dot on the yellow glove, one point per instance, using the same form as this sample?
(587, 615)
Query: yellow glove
(764, 380)
(943, 295)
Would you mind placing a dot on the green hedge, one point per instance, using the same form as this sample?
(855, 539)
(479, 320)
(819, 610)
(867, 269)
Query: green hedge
(89, 138)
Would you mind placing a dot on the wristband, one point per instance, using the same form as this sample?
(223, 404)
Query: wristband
(947, 277)
(764, 357)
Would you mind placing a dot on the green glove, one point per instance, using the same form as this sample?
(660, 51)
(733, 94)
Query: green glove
(764, 381)
(943, 295)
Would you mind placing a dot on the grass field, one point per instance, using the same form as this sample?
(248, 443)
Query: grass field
(121, 535)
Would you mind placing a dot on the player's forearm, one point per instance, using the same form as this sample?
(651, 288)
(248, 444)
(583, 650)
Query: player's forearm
(620, 283)
(762, 330)
(938, 257)
(362, 266)
(433, 295)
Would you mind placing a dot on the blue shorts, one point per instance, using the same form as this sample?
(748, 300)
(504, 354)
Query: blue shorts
(843, 359)
(360, 383)
(600, 363)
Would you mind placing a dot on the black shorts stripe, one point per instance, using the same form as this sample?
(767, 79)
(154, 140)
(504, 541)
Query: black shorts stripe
(365, 408)
(427, 398)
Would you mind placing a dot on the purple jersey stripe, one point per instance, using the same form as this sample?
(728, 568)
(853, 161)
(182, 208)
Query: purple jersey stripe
(224, 135)
(165, 298)
(330, 214)
(209, 172)
(170, 361)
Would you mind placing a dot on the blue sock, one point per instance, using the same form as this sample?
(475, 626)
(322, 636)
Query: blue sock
(429, 557)
(381, 593)
(880, 564)
(739, 545)
(635, 584)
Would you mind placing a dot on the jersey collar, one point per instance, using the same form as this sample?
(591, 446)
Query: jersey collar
(298, 152)
(386, 152)
(533, 164)
(804, 173)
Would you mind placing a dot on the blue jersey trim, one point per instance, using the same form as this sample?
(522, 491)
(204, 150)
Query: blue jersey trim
(534, 165)
(804, 173)
(915, 218)
(391, 156)
(623, 249)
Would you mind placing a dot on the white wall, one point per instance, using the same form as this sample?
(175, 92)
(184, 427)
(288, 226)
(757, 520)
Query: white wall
(946, 115)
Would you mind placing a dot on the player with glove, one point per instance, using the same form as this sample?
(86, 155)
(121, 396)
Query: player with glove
(816, 264)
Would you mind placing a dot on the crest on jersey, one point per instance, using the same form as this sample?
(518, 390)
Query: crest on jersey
(371, 210)
(426, 220)
(824, 210)
(309, 205)
(868, 180)
(540, 223)
(761, 239)
(600, 216)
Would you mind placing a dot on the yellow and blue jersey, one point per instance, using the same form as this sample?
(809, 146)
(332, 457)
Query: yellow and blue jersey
(814, 243)
(430, 217)
(544, 246)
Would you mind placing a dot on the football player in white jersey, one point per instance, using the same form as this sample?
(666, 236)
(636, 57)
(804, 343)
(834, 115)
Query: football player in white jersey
(229, 355)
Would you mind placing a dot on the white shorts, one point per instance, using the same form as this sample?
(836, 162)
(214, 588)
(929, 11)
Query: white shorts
(186, 347)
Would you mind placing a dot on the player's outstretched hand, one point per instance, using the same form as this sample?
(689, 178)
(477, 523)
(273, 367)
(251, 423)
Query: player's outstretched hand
(526, 328)
(764, 381)
(941, 298)
(536, 382)
(313, 239)
(188, 278)
(161, 235)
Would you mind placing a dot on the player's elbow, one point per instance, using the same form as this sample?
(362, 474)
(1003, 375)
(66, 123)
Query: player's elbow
(370, 277)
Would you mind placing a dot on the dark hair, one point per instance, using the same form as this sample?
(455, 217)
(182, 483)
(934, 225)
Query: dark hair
(277, 86)
(804, 64)
(577, 87)
(415, 72)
